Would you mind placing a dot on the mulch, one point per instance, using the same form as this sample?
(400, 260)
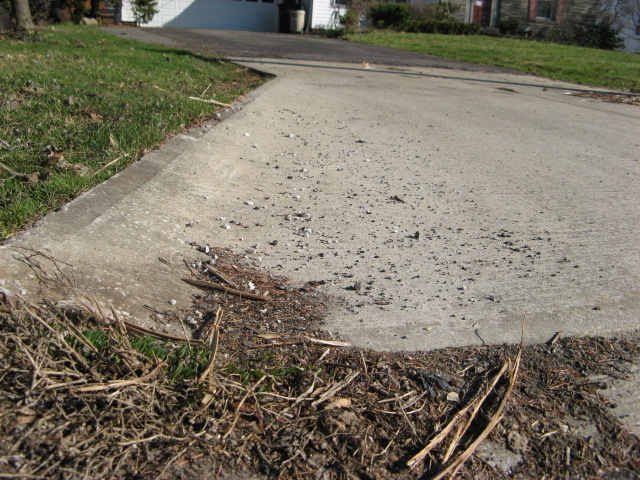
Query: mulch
(256, 389)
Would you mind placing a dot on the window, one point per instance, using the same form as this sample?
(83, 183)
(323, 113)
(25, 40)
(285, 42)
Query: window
(545, 10)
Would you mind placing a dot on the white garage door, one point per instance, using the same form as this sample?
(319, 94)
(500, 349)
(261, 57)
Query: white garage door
(254, 16)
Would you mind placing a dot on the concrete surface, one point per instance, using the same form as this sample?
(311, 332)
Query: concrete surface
(525, 201)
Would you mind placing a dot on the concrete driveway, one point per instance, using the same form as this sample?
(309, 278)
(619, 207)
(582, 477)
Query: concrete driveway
(442, 207)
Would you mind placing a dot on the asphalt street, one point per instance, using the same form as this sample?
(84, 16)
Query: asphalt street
(223, 43)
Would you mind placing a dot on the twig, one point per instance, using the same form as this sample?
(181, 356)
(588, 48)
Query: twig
(32, 178)
(324, 354)
(108, 164)
(239, 407)
(388, 445)
(555, 338)
(215, 102)
(454, 442)
(173, 459)
(214, 338)
(457, 463)
(331, 343)
(19, 475)
(120, 383)
(445, 431)
(336, 388)
(221, 276)
(132, 327)
(205, 90)
(364, 363)
(232, 291)
(152, 438)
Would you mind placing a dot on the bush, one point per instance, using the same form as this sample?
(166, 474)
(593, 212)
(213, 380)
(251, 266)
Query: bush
(350, 20)
(445, 28)
(328, 32)
(439, 12)
(509, 26)
(390, 15)
(599, 36)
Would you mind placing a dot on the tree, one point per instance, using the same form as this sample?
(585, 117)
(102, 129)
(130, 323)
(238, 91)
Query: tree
(623, 15)
(22, 14)
(144, 10)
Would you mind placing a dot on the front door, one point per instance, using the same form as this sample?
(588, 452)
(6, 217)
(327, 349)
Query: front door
(482, 12)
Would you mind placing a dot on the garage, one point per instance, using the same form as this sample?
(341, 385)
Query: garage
(248, 15)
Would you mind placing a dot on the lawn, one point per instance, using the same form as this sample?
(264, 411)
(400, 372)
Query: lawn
(77, 105)
(586, 66)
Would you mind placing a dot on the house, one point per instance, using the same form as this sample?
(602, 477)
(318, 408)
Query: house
(625, 16)
(249, 15)
(534, 15)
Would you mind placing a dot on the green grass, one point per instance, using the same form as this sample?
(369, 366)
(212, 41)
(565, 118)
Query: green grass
(79, 96)
(586, 66)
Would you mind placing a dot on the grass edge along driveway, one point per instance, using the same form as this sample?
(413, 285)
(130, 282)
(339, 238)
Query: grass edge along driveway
(585, 66)
(77, 105)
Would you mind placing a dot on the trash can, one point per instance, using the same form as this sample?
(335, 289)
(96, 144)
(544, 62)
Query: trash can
(296, 24)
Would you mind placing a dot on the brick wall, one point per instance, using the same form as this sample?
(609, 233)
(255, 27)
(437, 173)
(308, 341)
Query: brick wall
(583, 12)
(514, 9)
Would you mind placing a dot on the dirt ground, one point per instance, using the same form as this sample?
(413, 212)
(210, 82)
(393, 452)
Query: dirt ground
(279, 398)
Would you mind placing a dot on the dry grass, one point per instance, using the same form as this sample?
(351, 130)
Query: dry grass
(258, 390)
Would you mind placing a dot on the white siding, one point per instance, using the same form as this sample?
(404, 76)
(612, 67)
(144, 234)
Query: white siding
(326, 14)
(217, 14)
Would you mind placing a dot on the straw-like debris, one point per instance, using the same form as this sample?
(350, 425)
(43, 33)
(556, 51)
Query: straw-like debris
(260, 391)
(627, 99)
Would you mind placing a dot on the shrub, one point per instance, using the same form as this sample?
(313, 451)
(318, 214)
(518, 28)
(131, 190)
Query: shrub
(600, 36)
(390, 15)
(350, 20)
(422, 12)
(78, 9)
(509, 26)
(446, 11)
(329, 32)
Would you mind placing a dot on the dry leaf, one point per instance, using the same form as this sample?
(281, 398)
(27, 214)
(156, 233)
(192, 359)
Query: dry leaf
(113, 141)
(24, 419)
(55, 158)
(76, 167)
(33, 177)
(339, 403)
